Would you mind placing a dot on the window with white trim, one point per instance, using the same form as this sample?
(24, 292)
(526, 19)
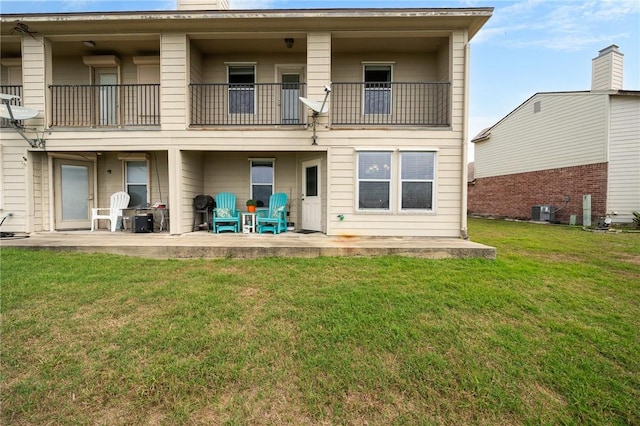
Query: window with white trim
(377, 89)
(137, 182)
(374, 180)
(262, 180)
(242, 80)
(417, 178)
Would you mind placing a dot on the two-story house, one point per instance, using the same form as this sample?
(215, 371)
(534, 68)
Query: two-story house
(171, 105)
(574, 153)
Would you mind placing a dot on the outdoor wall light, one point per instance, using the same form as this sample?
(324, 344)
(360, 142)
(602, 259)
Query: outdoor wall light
(288, 42)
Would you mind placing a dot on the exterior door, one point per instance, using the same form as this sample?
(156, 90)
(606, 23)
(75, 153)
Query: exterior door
(107, 97)
(73, 194)
(311, 196)
(290, 108)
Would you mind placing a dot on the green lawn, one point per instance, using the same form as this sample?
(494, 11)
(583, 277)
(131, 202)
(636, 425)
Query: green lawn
(549, 333)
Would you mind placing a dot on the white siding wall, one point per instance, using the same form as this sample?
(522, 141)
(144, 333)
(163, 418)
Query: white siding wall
(570, 130)
(624, 158)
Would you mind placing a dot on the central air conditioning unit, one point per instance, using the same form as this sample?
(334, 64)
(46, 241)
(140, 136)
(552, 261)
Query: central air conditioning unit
(543, 213)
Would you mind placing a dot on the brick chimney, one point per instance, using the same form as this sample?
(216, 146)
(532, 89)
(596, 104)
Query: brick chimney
(606, 70)
(203, 4)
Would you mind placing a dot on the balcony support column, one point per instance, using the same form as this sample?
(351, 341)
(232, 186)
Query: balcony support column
(318, 73)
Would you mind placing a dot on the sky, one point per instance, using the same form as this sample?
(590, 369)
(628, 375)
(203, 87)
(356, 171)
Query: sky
(528, 46)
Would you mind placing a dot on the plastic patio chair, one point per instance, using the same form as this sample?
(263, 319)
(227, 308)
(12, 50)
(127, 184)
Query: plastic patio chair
(119, 201)
(275, 218)
(225, 216)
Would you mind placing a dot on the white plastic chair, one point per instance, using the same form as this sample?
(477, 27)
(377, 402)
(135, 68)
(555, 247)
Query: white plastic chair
(119, 201)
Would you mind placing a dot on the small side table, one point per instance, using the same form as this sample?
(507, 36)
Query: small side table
(248, 222)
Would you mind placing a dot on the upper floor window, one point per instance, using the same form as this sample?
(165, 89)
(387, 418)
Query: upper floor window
(242, 80)
(374, 180)
(377, 89)
(416, 180)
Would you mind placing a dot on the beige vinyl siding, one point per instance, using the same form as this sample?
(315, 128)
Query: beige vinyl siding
(15, 177)
(458, 73)
(444, 221)
(406, 67)
(192, 184)
(34, 77)
(108, 182)
(624, 158)
(318, 67)
(173, 79)
(214, 68)
(230, 172)
(443, 55)
(570, 130)
(195, 77)
(40, 184)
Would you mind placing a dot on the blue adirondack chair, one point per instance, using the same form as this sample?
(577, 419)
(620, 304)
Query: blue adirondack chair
(225, 216)
(275, 218)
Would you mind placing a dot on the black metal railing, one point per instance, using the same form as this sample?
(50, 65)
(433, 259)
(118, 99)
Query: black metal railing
(387, 103)
(115, 105)
(14, 91)
(259, 104)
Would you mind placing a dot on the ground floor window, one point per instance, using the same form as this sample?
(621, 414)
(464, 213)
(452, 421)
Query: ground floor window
(262, 180)
(137, 182)
(416, 180)
(374, 180)
(408, 174)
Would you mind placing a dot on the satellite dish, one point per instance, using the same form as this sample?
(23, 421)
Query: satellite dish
(315, 106)
(15, 112)
(4, 96)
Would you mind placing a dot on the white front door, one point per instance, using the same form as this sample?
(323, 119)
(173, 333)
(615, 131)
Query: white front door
(73, 194)
(311, 197)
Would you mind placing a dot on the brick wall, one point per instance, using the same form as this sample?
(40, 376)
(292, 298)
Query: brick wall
(512, 196)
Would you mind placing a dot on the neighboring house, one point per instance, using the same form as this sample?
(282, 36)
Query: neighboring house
(561, 149)
(171, 105)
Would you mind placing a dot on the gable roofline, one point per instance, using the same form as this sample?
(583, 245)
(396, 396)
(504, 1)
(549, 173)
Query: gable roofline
(485, 134)
(471, 19)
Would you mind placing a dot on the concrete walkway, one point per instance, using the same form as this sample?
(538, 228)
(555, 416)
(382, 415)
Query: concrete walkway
(204, 244)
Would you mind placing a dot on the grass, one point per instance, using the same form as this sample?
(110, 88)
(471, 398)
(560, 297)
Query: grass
(549, 333)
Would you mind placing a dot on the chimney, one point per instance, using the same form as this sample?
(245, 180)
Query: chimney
(606, 70)
(203, 4)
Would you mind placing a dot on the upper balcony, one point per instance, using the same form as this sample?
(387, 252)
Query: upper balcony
(253, 80)
(110, 81)
(390, 79)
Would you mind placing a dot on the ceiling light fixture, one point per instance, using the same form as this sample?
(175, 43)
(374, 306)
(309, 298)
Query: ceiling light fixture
(89, 43)
(288, 42)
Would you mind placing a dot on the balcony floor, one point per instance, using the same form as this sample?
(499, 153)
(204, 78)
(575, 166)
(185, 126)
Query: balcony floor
(204, 244)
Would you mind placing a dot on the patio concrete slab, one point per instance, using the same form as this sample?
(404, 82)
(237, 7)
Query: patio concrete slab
(208, 245)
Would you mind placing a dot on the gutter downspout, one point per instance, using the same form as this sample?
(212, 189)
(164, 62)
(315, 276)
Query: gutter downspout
(465, 145)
